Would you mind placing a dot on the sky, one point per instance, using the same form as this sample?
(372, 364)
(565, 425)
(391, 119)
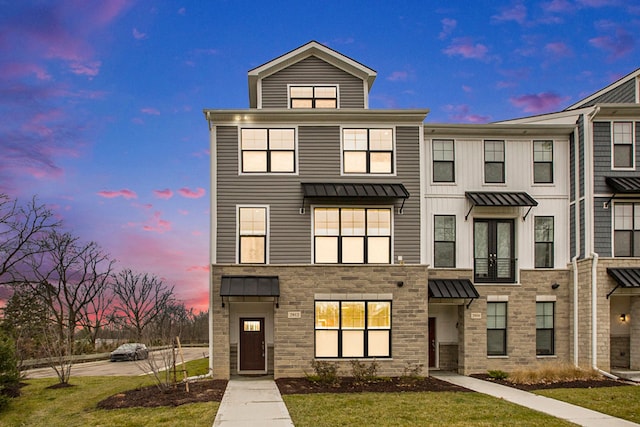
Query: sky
(101, 101)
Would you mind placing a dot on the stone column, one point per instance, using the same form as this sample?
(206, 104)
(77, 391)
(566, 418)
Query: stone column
(634, 332)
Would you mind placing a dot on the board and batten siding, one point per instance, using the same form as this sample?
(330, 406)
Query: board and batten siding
(623, 94)
(290, 240)
(312, 70)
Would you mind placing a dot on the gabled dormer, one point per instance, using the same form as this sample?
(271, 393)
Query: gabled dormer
(311, 76)
(625, 90)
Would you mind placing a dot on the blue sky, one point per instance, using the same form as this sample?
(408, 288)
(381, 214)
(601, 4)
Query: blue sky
(101, 101)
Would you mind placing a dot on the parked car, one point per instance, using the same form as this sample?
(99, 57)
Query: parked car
(130, 351)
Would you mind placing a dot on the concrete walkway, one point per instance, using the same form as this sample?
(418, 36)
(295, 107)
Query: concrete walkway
(252, 401)
(557, 408)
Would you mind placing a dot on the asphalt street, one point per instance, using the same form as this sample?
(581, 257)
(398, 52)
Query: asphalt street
(107, 368)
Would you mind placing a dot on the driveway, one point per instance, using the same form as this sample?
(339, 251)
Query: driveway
(107, 368)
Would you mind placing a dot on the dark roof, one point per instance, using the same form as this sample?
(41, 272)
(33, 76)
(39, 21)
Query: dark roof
(390, 191)
(497, 198)
(626, 277)
(630, 184)
(452, 288)
(255, 286)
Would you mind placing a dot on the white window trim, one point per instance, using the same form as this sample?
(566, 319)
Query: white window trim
(336, 85)
(455, 163)
(633, 145)
(394, 151)
(613, 225)
(295, 154)
(347, 206)
(484, 163)
(267, 231)
(553, 164)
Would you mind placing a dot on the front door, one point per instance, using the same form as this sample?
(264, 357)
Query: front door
(494, 250)
(252, 345)
(432, 342)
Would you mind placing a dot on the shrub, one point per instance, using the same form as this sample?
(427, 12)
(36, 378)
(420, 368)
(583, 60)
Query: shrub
(553, 373)
(412, 371)
(498, 374)
(363, 373)
(324, 372)
(9, 372)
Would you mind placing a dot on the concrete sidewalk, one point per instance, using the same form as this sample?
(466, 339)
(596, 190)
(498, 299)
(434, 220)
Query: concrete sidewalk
(557, 408)
(252, 401)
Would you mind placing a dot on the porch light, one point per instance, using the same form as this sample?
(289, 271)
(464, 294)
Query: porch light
(623, 317)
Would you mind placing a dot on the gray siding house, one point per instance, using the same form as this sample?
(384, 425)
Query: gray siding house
(339, 232)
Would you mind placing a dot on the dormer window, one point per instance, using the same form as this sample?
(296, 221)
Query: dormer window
(313, 96)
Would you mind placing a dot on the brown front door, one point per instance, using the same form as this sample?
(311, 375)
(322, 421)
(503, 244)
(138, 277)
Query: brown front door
(432, 342)
(252, 345)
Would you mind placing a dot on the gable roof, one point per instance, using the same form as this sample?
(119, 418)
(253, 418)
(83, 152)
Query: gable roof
(313, 48)
(583, 102)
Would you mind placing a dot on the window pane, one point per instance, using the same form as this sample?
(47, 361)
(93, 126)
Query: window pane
(353, 315)
(352, 343)
(327, 314)
(378, 344)
(542, 151)
(622, 133)
(254, 161)
(442, 150)
(253, 221)
(378, 250)
(544, 255)
(623, 156)
(380, 162)
(254, 139)
(544, 229)
(544, 342)
(543, 173)
(496, 342)
(623, 217)
(301, 103)
(444, 254)
(301, 91)
(355, 162)
(325, 103)
(445, 228)
(443, 172)
(494, 172)
(281, 139)
(252, 249)
(326, 250)
(353, 250)
(378, 222)
(282, 161)
(326, 343)
(622, 243)
(380, 139)
(355, 139)
(326, 222)
(378, 315)
(494, 151)
(325, 92)
(352, 222)
(251, 325)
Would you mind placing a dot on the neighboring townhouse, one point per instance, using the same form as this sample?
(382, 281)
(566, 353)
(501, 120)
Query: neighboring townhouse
(340, 232)
(604, 224)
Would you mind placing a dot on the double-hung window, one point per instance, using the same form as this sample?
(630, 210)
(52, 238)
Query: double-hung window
(545, 342)
(494, 162)
(543, 162)
(543, 241)
(313, 96)
(352, 235)
(252, 235)
(443, 160)
(496, 328)
(623, 152)
(267, 150)
(444, 241)
(353, 329)
(626, 234)
(367, 151)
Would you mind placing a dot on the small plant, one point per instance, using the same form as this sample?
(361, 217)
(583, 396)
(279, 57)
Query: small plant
(497, 374)
(324, 372)
(553, 373)
(412, 372)
(363, 373)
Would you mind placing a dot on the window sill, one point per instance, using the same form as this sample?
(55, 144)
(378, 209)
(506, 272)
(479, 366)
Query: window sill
(498, 357)
(547, 356)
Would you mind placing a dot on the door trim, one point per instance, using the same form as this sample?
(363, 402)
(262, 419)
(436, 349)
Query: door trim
(262, 320)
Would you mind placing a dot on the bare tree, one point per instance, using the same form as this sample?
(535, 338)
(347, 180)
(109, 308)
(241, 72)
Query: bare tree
(140, 299)
(21, 228)
(98, 313)
(67, 276)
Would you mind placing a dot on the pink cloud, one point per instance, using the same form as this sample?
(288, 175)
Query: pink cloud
(598, 3)
(150, 111)
(538, 103)
(157, 224)
(137, 121)
(87, 69)
(448, 25)
(559, 49)
(558, 6)
(460, 113)
(504, 84)
(19, 70)
(517, 13)
(617, 45)
(125, 193)
(467, 49)
(190, 194)
(467, 89)
(198, 268)
(138, 35)
(397, 76)
(163, 194)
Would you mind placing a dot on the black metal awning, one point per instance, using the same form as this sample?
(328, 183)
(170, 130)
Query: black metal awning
(353, 191)
(500, 199)
(253, 286)
(629, 184)
(452, 288)
(625, 278)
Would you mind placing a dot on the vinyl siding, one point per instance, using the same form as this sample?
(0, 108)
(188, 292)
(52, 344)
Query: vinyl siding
(572, 229)
(572, 168)
(623, 94)
(601, 156)
(581, 155)
(602, 227)
(312, 70)
(582, 229)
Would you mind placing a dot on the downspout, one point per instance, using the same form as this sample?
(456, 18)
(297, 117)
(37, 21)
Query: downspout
(594, 308)
(574, 261)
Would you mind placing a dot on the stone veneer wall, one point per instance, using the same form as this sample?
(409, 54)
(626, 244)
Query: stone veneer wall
(634, 318)
(299, 284)
(620, 351)
(521, 323)
(448, 356)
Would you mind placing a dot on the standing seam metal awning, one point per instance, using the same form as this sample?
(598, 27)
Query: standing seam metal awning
(256, 286)
(622, 185)
(625, 277)
(452, 288)
(354, 190)
(499, 199)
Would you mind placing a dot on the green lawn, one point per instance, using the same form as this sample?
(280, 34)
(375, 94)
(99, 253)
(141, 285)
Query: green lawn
(622, 402)
(411, 409)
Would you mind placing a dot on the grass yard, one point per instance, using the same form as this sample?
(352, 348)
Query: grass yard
(622, 402)
(411, 409)
(76, 406)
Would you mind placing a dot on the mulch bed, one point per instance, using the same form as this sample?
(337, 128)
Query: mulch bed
(604, 382)
(349, 385)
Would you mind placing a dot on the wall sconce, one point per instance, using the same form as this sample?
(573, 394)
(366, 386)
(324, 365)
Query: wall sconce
(623, 317)
(400, 284)
(555, 286)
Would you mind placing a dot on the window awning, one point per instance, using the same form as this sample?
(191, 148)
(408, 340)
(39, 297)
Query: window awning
(500, 199)
(625, 278)
(353, 191)
(630, 184)
(452, 288)
(250, 286)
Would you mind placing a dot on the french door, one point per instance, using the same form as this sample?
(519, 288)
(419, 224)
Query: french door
(494, 251)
